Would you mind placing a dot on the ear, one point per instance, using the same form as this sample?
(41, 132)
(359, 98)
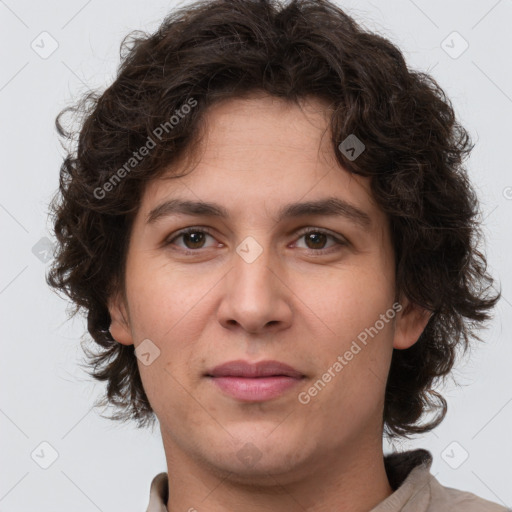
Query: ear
(411, 321)
(120, 324)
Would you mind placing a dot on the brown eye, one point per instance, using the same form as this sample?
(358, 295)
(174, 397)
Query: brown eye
(193, 238)
(316, 239)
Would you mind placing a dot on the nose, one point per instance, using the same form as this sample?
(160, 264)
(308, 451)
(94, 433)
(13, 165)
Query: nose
(256, 297)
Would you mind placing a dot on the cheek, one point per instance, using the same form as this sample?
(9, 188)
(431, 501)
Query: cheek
(347, 323)
(349, 299)
(167, 308)
(162, 298)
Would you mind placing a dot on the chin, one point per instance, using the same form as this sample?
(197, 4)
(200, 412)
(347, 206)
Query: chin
(266, 472)
(259, 459)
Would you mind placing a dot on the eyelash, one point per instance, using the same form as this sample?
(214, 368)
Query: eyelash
(319, 252)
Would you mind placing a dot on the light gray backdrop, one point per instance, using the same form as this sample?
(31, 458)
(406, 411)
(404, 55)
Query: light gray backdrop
(52, 52)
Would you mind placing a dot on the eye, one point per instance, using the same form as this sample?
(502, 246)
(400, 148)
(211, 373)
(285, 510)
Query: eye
(315, 240)
(192, 237)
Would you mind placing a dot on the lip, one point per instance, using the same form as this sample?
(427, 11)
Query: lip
(241, 368)
(254, 382)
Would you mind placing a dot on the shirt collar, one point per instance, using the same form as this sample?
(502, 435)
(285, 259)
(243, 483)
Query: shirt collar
(409, 476)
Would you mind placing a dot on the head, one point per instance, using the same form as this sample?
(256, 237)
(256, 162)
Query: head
(246, 105)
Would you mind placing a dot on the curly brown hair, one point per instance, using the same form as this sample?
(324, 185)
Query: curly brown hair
(221, 49)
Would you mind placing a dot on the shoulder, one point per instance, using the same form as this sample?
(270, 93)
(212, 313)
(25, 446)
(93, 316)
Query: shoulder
(454, 500)
(417, 490)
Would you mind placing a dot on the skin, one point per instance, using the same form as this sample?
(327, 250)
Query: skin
(290, 304)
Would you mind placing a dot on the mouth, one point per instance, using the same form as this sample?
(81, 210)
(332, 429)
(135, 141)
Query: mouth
(254, 382)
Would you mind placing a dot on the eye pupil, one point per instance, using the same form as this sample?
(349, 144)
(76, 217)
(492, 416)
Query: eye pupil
(194, 235)
(314, 236)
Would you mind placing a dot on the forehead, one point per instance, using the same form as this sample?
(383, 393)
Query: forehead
(258, 153)
(267, 120)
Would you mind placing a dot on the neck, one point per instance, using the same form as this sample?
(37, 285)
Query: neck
(351, 480)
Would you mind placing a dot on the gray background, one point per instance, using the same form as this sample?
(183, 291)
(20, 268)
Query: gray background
(46, 397)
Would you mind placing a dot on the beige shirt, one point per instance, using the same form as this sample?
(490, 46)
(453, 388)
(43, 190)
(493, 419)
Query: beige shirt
(415, 489)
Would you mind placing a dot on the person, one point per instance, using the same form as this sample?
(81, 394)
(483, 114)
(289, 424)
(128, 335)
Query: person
(268, 223)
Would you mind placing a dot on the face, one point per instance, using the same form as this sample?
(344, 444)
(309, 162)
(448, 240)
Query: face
(313, 289)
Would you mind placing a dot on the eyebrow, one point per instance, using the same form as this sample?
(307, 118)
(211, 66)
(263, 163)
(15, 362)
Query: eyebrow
(329, 207)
